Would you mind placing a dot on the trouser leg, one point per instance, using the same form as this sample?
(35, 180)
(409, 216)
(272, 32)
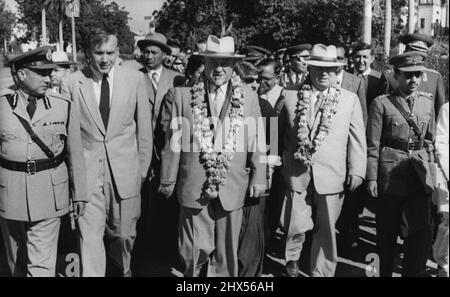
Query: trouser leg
(196, 238)
(296, 217)
(324, 247)
(227, 227)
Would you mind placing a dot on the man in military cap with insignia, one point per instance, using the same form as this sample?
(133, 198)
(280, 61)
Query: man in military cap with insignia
(255, 54)
(432, 81)
(399, 143)
(297, 66)
(41, 165)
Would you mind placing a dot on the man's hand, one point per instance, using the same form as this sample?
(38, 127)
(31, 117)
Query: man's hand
(353, 182)
(78, 209)
(372, 188)
(151, 174)
(166, 190)
(257, 190)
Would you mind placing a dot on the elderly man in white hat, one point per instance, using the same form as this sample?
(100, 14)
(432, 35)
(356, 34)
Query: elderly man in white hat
(323, 151)
(214, 161)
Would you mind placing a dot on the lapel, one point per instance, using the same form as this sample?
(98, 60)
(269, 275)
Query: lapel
(118, 99)
(148, 85)
(346, 81)
(163, 81)
(87, 93)
(40, 112)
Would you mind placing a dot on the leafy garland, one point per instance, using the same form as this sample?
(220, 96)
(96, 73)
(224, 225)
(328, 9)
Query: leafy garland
(216, 164)
(306, 146)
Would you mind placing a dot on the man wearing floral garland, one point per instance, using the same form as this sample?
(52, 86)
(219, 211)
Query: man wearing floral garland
(323, 150)
(213, 158)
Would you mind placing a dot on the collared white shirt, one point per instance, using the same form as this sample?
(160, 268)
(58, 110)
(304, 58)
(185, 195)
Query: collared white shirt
(212, 97)
(97, 82)
(158, 72)
(365, 73)
(315, 94)
(339, 78)
(293, 76)
(273, 95)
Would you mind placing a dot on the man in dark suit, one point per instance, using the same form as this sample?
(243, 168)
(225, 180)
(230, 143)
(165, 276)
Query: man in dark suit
(348, 223)
(374, 81)
(399, 147)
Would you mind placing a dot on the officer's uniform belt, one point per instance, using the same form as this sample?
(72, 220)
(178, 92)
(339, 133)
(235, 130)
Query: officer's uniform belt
(405, 145)
(33, 166)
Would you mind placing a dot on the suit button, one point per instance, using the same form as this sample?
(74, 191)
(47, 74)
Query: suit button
(29, 157)
(30, 142)
(3, 134)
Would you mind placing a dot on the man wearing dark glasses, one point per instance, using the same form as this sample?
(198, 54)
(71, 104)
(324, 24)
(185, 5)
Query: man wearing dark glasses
(399, 145)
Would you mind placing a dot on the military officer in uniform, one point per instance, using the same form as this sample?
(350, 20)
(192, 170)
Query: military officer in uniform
(432, 82)
(399, 143)
(41, 165)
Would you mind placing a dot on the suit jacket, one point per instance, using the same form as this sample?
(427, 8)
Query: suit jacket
(375, 84)
(45, 194)
(342, 153)
(128, 141)
(168, 79)
(356, 85)
(183, 167)
(397, 172)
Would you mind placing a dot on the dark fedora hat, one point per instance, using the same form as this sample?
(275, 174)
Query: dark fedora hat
(157, 39)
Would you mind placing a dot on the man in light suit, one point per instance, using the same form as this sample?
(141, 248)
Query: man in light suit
(323, 149)
(116, 126)
(213, 182)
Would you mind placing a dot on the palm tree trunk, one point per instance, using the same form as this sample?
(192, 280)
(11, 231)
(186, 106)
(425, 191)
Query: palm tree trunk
(367, 26)
(44, 27)
(387, 27)
(61, 41)
(411, 18)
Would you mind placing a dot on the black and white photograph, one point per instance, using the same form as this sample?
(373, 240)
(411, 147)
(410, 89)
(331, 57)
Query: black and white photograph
(240, 142)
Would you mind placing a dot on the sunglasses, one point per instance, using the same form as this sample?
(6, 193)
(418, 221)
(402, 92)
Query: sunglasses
(409, 75)
(250, 80)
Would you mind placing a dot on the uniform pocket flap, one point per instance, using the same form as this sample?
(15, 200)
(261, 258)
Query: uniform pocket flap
(59, 175)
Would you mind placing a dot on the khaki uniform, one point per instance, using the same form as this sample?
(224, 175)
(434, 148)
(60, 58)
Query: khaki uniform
(403, 177)
(31, 201)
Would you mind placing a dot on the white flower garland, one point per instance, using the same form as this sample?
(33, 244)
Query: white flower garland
(306, 146)
(216, 164)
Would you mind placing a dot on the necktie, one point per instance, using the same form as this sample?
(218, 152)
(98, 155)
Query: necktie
(31, 107)
(155, 82)
(104, 100)
(410, 101)
(218, 102)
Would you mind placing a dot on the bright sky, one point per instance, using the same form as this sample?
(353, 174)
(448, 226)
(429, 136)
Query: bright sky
(138, 9)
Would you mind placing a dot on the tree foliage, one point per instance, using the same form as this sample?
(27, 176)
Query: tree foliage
(93, 13)
(7, 21)
(269, 23)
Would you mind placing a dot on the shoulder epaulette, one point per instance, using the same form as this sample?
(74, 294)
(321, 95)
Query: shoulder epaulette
(4, 92)
(425, 94)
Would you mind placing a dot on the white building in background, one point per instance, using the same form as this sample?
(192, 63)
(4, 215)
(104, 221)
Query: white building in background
(431, 16)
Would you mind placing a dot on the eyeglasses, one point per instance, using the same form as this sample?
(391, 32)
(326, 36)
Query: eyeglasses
(262, 78)
(250, 80)
(409, 75)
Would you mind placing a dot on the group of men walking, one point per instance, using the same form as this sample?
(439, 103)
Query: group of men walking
(109, 136)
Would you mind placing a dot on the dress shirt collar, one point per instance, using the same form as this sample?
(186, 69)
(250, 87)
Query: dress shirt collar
(365, 73)
(157, 70)
(98, 76)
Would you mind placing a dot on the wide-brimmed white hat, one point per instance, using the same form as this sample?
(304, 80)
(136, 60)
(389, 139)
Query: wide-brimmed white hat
(323, 56)
(220, 48)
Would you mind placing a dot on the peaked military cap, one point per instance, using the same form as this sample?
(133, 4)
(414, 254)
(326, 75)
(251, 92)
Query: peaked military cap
(39, 58)
(254, 52)
(301, 49)
(416, 41)
(409, 62)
